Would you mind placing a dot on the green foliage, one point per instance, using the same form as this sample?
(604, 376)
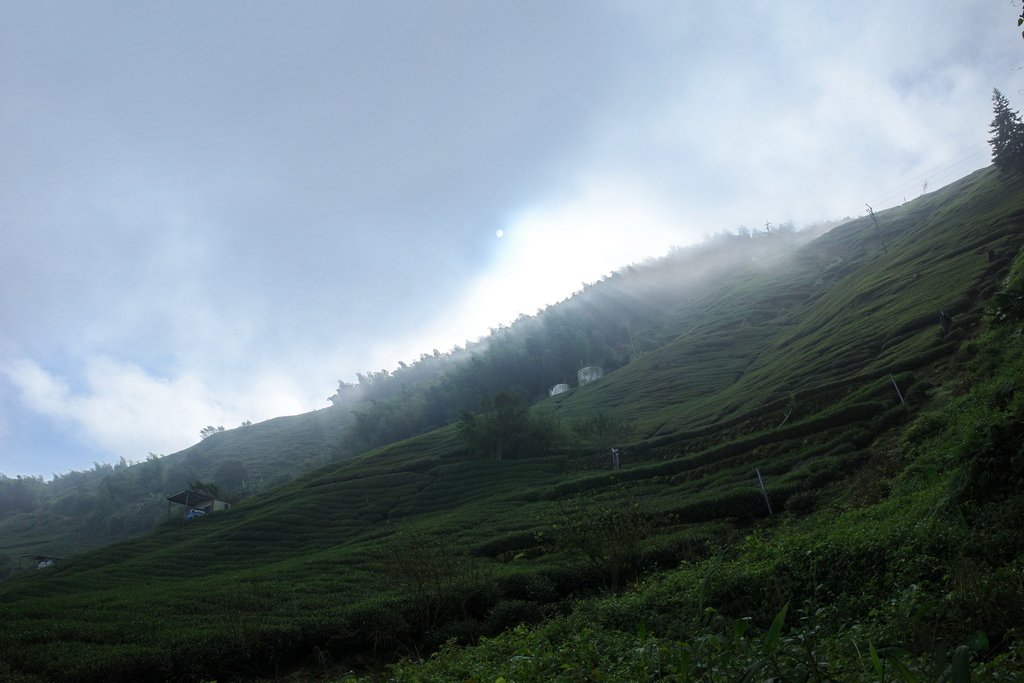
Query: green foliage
(210, 430)
(508, 429)
(726, 650)
(602, 431)
(19, 494)
(437, 582)
(205, 487)
(1007, 306)
(1007, 136)
(607, 537)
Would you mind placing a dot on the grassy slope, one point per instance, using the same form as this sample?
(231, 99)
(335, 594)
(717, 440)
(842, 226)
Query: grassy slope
(295, 575)
(273, 452)
(911, 570)
(840, 308)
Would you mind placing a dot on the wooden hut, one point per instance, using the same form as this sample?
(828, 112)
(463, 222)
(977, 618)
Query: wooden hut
(196, 503)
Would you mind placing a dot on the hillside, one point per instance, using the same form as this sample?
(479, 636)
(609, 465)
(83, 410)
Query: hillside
(82, 510)
(608, 323)
(883, 552)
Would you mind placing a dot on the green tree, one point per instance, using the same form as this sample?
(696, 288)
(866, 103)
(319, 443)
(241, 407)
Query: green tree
(20, 494)
(210, 430)
(607, 537)
(508, 429)
(1007, 135)
(204, 487)
(434, 580)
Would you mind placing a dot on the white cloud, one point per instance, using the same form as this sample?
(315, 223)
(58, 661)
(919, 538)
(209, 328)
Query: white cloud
(551, 250)
(40, 390)
(127, 412)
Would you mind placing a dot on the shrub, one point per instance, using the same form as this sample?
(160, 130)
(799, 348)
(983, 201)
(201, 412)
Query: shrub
(511, 613)
(608, 538)
(802, 502)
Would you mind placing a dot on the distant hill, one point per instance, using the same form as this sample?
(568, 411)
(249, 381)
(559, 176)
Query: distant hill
(82, 510)
(886, 441)
(608, 323)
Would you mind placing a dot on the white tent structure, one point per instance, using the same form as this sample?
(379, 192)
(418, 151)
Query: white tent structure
(589, 374)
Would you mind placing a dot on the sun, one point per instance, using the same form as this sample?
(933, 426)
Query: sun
(499, 233)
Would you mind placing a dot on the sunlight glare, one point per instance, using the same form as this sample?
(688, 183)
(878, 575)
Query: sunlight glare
(553, 250)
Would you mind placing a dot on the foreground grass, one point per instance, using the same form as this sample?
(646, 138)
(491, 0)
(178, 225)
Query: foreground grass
(923, 584)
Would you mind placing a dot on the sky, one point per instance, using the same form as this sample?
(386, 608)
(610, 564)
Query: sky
(211, 212)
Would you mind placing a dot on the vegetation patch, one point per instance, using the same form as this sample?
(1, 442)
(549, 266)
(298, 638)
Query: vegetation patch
(813, 476)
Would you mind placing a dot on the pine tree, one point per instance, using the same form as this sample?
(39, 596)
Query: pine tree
(1007, 136)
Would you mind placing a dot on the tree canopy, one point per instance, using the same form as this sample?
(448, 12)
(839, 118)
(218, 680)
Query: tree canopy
(1007, 135)
(507, 429)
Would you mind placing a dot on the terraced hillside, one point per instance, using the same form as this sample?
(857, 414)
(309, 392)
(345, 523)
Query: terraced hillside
(841, 307)
(81, 511)
(790, 367)
(609, 322)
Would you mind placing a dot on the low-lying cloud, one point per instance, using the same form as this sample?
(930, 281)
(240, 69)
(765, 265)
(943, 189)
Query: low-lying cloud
(129, 413)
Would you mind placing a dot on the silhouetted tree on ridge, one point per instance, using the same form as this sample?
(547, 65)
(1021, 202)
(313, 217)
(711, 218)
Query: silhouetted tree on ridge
(1007, 135)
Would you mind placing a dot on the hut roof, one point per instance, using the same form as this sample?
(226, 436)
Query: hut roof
(190, 497)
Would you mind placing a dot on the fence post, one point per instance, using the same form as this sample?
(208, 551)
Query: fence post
(763, 491)
(897, 387)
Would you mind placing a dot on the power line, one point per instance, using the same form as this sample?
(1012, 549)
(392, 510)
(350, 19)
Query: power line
(937, 171)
